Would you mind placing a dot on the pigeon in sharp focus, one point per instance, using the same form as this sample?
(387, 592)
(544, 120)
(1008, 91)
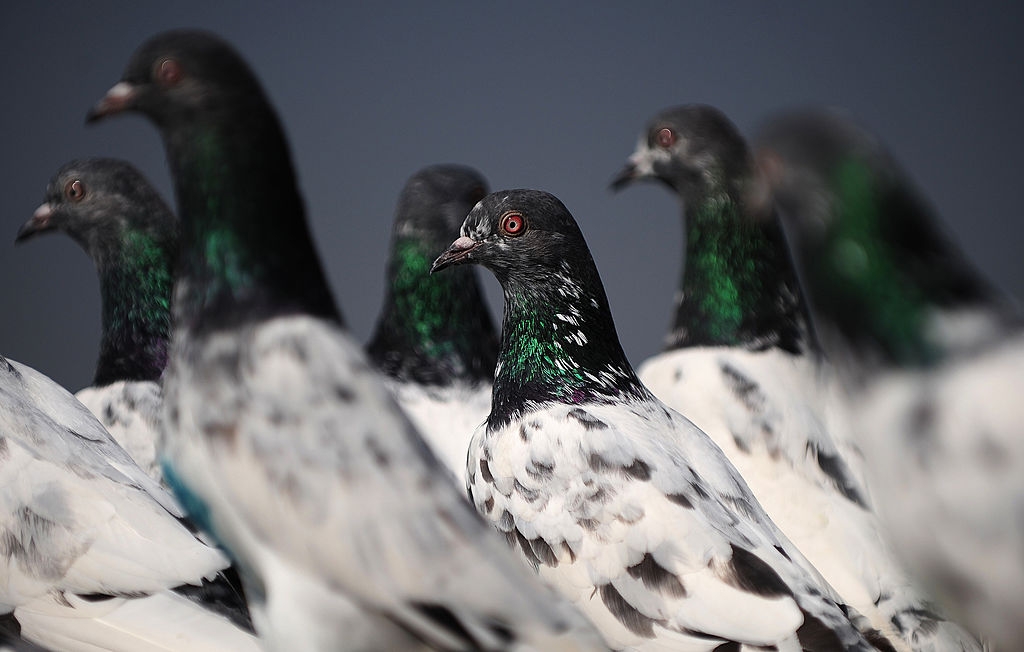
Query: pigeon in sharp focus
(111, 211)
(93, 551)
(742, 364)
(933, 357)
(435, 341)
(620, 503)
(281, 438)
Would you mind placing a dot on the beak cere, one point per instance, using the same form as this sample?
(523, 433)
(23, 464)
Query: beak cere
(39, 222)
(459, 252)
(119, 98)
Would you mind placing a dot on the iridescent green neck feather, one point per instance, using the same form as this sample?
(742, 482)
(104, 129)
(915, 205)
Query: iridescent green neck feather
(739, 285)
(135, 289)
(559, 345)
(434, 329)
(859, 279)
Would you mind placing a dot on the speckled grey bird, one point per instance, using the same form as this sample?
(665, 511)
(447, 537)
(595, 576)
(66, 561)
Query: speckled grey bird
(620, 503)
(281, 438)
(118, 218)
(932, 355)
(742, 363)
(435, 341)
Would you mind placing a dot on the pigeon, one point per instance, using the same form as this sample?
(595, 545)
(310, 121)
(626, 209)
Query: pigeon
(280, 437)
(112, 212)
(435, 341)
(742, 363)
(932, 356)
(93, 548)
(620, 503)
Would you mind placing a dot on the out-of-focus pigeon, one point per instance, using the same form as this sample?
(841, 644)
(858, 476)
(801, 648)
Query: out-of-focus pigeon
(933, 357)
(111, 211)
(741, 363)
(435, 341)
(281, 438)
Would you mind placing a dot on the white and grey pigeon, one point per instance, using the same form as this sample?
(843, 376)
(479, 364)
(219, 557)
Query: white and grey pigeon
(932, 356)
(92, 550)
(742, 364)
(620, 503)
(435, 341)
(280, 436)
(115, 215)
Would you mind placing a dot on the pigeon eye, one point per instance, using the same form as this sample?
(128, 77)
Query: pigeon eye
(75, 190)
(513, 224)
(168, 72)
(665, 137)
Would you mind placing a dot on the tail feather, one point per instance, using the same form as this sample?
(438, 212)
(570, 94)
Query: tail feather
(162, 622)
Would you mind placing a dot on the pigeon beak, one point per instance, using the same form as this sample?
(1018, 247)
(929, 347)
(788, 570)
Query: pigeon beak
(38, 223)
(625, 176)
(458, 253)
(121, 97)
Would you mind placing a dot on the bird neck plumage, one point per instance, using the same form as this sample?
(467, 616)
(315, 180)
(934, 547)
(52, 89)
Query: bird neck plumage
(247, 253)
(739, 285)
(136, 295)
(558, 345)
(885, 272)
(435, 329)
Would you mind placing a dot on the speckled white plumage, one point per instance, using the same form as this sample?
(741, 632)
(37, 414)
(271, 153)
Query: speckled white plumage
(79, 518)
(777, 418)
(637, 517)
(130, 411)
(322, 488)
(946, 448)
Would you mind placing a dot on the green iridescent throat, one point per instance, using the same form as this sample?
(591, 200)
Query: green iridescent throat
(136, 294)
(739, 287)
(434, 327)
(861, 277)
(554, 349)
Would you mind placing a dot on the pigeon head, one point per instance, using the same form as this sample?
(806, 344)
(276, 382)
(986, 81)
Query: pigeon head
(692, 148)
(100, 203)
(434, 202)
(522, 236)
(180, 76)
(807, 157)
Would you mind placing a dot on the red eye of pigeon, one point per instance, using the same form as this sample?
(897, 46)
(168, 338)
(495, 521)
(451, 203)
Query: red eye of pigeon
(513, 224)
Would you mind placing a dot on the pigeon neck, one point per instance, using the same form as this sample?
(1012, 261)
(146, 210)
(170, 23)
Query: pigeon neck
(247, 253)
(885, 274)
(435, 329)
(558, 345)
(136, 294)
(739, 285)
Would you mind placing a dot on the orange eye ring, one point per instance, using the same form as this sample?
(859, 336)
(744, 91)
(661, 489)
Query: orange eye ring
(513, 223)
(665, 137)
(75, 190)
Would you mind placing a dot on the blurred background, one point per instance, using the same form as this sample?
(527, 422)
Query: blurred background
(533, 94)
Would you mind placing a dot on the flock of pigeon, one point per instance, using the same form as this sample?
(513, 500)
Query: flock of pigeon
(824, 457)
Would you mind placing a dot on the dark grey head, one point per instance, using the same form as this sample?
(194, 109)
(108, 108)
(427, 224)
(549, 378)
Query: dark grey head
(434, 202)
(693, 148)
(100, 202)
(521, 235)
(180, 75)
(802, 156)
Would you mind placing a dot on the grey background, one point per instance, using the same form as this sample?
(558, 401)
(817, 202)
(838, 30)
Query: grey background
(534, 94)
